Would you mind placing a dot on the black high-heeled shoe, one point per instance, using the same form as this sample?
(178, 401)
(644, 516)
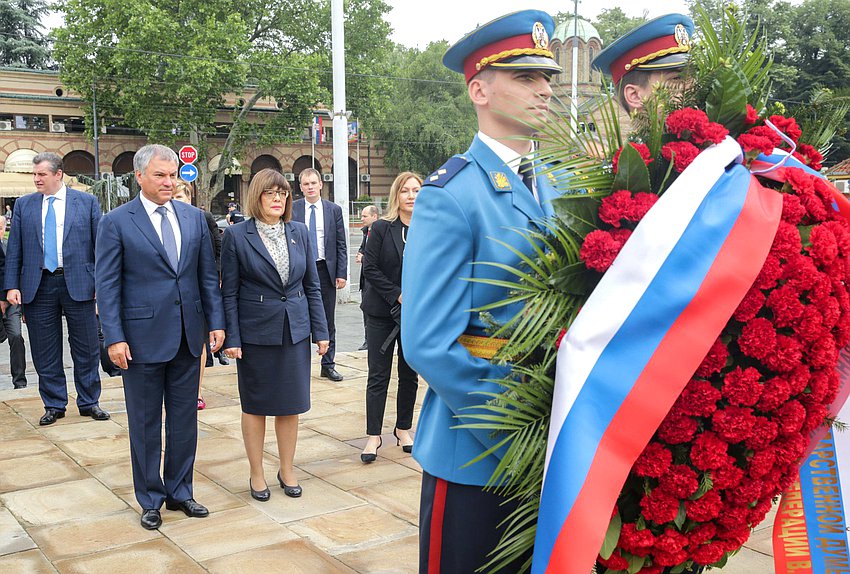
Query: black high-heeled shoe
(291, 491)
(260, 495)
(406, 447)
(371, 456)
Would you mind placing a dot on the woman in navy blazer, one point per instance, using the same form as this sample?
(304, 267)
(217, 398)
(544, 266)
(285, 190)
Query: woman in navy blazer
(272, 304)
(382, 306)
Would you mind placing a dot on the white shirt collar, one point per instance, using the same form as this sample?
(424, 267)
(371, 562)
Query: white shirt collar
(506, 154)
(151, 207)
(60, 195)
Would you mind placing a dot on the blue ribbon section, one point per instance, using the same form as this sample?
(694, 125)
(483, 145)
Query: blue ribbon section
(820, 485)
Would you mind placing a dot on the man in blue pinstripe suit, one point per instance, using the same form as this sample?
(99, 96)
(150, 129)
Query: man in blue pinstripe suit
(50, 270)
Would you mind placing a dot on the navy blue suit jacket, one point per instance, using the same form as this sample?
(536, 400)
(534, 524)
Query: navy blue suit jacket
(141, 299)
(336, 250)
(256, 301)
(25, 251)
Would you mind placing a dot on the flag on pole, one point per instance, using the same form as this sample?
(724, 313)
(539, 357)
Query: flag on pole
(353, 131)
(318, 132)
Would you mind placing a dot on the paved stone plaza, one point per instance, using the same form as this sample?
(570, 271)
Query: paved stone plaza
(67, 504)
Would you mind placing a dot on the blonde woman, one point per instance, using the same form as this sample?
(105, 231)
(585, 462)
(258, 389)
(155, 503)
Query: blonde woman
(381, 307)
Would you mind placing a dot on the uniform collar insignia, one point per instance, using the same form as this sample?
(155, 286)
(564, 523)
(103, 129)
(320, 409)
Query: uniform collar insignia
(500, 181)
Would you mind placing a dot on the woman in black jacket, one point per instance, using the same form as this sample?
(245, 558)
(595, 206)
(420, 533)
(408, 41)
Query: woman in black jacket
(381, 306)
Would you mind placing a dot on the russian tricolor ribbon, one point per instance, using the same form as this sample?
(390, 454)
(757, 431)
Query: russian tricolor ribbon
(641, 335)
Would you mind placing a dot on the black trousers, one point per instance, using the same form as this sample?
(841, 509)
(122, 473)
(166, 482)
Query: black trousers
(328, 287)
(380, 368)
(459, 525)
(17, 351)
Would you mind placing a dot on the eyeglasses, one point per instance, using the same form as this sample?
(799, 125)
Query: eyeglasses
(270, 193)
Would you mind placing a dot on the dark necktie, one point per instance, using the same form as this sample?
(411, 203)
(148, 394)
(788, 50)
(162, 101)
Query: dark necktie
(314, 236)
(526, 171)
(51, 254)
(168, 240)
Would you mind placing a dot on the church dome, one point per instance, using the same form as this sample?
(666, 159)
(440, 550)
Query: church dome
(565, 30)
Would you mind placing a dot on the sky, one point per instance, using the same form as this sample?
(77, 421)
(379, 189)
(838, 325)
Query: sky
(416, 24)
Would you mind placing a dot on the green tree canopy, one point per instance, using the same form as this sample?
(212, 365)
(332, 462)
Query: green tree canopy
(22, 40)
(428, 116)
(611, 23)
(166, 68)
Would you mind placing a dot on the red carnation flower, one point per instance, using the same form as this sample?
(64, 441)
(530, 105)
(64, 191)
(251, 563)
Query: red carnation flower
(616, 207)
(699, 398)
(788, 126)
(758, 338)
(746, 493)
(677, 429)
(752, 115)
(786, 356)
(750, 305)
(786, 243)
(785, 303)
(792, 209)
(714, 360)
(770, 273)
(615, 562)
(741, 386)
(686, 122)
(708, 553)
(709, 452)
(733, 517)
(809, 156)
(766, 133)
(764, 433)
(599, 250)
(642, 203)
(560, 338)
(653, 461)
(705, 508)
(659, 507)
(733, 424)
(642, 149)
(824, 246)
(775, 392)
(683, 152)
(728, 476)
(749, 142)
(634, 541)
(762, 462)
(702, 533)
(790, 418)
(681, 480)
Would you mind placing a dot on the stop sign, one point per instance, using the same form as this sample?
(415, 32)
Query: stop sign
(188, 154)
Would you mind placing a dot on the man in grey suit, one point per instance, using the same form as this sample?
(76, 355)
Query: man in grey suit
(50, 270)
(327, 236)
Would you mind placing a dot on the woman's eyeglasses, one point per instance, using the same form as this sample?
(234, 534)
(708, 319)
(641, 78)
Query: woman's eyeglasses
(270, 193)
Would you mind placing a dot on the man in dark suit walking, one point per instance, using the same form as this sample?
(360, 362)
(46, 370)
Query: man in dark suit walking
(368, 215)
(327, 235)
(50, 270)
(157, 286)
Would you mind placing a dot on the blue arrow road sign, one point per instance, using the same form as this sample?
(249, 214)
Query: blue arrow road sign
(188, 173)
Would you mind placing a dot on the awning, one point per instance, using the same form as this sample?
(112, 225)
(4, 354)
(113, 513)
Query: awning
(18, 184)
(20, 161)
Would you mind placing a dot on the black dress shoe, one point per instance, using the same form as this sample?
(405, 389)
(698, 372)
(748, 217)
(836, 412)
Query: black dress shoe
(261, 495)
(189, 507)
(363, 347)
(151, 519)
(50, 417)
(331, 373)
(222, 359)
(95, 412)
(290, 491)
(367, 457)
(405, 447)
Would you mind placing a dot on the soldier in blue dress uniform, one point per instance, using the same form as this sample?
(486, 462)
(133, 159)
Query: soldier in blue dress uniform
(474, 197)
(652, 53)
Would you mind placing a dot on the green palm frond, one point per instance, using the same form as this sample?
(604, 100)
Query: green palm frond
(550, 282)
(822, 116)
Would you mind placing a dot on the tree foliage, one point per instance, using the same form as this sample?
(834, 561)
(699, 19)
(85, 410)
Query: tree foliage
(428, 116)
(22, 40)
(611, 23)
(166, 68)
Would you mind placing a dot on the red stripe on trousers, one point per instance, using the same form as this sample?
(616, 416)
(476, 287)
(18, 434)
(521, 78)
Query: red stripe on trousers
(438, 510)
(668, 371)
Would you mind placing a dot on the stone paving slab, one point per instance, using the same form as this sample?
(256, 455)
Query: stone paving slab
(67, 503)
